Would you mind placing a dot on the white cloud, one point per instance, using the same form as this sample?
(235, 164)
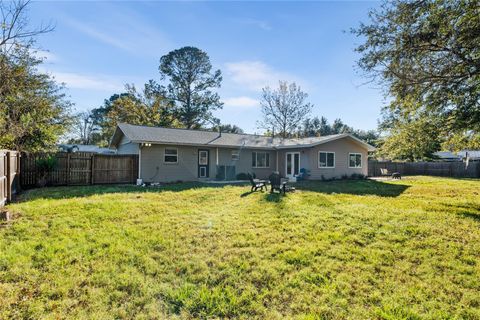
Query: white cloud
(264, 25)
(90, 82)
(134, 34)
(255, 75)
(241, 102)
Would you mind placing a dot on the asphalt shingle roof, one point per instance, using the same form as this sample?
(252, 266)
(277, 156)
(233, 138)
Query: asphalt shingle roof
(198, 137)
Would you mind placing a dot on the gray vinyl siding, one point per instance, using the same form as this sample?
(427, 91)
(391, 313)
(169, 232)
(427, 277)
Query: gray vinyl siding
(342, 149)
(244, 164)
(127, 147)
(304, 159)
(154, 169)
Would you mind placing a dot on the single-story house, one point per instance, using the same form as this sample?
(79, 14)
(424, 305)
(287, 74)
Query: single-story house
(167, 154)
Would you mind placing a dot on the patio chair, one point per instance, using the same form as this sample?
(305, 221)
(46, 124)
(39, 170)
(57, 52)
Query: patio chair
(384, 172)
(256, 184)
(276, 183)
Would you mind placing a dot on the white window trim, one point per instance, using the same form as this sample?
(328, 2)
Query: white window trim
(361, 160)
(293, 153)
(206, 157)
(326, 159)
(204, 169)
(256, 160)
(170, 155)
(235, 155)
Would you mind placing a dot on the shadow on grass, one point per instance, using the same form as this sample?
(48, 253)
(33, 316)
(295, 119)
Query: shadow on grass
(355, 187)
(66, 192)
(471, 211)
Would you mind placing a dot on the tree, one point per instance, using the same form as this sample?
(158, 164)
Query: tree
(148, 107)
(411, 138)
(229, 128)
(466, 140)
(85, 131)
(425, 54)
(284, 109)
(34, 112)
(14, 27)
(101, 121)
(191, 84)
(315, 127)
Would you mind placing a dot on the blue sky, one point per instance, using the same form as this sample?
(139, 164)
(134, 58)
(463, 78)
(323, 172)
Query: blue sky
(98, 47)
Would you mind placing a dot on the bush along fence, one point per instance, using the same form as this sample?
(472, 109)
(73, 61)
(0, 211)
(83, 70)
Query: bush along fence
(9, 175)
(79, 168)
(445, 169)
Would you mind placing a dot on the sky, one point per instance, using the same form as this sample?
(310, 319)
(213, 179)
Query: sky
(98, 47)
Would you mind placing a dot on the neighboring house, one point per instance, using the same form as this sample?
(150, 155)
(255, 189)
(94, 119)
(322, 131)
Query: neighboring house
(167, 154)
(472, 155)
(447, 156)
(84, 148)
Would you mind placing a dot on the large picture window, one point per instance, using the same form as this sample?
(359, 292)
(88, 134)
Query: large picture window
(260, 159)
(171, 155)
(355, 160)
(326, 159)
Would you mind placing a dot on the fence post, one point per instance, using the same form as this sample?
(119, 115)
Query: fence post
(92, 168)
(68, 169)
(9, 176)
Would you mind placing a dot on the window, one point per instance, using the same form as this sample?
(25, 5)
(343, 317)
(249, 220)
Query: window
(235, 155)
(326, 159)
(203, 157)
(355, 160)
(260, 159)
(171, 155)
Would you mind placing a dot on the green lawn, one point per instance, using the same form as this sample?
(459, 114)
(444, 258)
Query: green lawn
(406, 249)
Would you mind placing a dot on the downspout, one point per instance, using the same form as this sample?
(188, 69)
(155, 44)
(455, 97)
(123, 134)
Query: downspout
(276, 165)
(139, 161)
(216, 162)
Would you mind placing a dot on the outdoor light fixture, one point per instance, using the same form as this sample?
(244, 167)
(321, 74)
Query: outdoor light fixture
(147, 144)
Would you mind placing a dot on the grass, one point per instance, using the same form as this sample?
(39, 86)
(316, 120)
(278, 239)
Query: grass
(406, 249)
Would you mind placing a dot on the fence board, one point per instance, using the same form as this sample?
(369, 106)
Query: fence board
(445, 169)
(80, 168)
(9, 170)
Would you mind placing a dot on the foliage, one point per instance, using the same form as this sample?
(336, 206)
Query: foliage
(47, 164)
(411, 138)
(229, 128)
(427, 52)
(334, 250)
(44, 167)
(426, 56)
(33, 107)
(284, 108)
(34, 111)
(462, 141)
(191, 84)
(315, 127)
(85, 130)
(148, 107)
(242, 176)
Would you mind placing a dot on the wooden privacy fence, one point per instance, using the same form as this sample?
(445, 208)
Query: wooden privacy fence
(446, 169)
(79, 168)
(9, 171)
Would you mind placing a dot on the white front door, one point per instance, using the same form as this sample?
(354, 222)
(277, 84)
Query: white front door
(292, 165)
